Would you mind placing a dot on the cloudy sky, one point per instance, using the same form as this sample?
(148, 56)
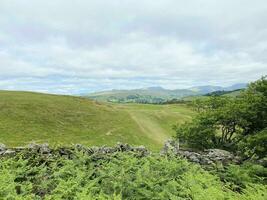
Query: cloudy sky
(71, 47)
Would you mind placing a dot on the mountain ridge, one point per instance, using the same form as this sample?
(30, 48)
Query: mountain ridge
(157, 94)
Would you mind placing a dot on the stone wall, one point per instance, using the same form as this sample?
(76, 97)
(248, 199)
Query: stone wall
(44, 149)
(207, 157)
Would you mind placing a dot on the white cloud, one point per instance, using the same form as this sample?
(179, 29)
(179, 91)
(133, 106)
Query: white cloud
(96, 45)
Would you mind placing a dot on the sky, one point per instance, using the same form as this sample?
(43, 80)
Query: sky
(73, 47)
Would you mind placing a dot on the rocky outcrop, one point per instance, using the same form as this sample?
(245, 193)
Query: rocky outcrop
(207, 157)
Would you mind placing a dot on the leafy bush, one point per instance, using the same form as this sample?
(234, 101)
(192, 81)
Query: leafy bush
(240, 176)
(116, 176)
(255, 145)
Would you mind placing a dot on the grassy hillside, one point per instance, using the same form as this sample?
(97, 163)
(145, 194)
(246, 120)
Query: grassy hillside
(26, 117)
(156, 121)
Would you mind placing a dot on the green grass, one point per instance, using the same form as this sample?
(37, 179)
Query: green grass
(32, 117)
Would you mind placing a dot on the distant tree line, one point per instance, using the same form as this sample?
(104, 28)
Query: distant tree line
(136, 98)
(221, 92)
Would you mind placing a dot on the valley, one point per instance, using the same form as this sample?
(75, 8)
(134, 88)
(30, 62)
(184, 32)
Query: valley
(27, 117)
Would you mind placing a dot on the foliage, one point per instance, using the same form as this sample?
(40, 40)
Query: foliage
(240, 176)
(116, 176)
(255, 100)
(199, 133)
(229, 123)
(255, 144)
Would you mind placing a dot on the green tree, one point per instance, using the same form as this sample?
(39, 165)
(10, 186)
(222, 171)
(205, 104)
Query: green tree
(228, 122)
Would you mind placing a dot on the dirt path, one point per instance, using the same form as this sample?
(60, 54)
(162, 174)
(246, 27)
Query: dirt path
(149, 127)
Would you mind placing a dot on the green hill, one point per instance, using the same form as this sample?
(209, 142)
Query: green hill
(26, 117)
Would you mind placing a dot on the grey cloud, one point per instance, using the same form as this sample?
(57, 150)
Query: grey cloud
(95, 45)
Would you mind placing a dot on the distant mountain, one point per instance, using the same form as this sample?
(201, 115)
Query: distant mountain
(155, 88)
(236, 86)
(156, 94)
(209, 88)
(206, 89)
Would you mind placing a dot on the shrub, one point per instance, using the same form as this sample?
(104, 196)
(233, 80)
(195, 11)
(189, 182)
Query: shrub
(118, 176)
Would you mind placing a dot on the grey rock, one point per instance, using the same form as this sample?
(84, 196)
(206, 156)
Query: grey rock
(170, 146)
(18, 149)
(205, 161)
(33, 146)
(206, 157)
(64, 151)
(9, 152)
(215, 153)
(262, 162)
(2, 147)
(41, 148)
(194, 158)
(123, 147)
(90, 151)
(79, 147)
(142, 150)
(44, 149)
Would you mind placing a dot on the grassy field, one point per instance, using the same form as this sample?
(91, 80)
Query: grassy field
(32, 117)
